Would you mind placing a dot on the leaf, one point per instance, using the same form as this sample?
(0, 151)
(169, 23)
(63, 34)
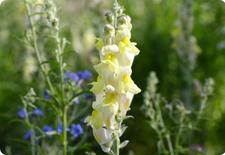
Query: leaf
(123, 144)
(123, 130)
(129, 116)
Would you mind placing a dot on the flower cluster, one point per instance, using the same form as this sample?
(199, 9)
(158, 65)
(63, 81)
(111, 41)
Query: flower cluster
(79, 77)
(114, 88)
(36, 112)
(75, 130)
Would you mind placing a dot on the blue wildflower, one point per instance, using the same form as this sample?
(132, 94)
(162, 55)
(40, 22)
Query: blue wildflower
(76, 130)
(47, 129)
(38, 112)
(47, 96)
(22, 113)
(71, 76)
(59, 129)
(28, 135)
(85, 75)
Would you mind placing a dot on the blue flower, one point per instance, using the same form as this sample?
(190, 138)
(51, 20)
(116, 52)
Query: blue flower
(47, 96)
(38, 112)
(71, 76)
(28, 135)
(76, 130)
(80, 75)
(47, 129)
(22, 113)
(59, 129)
(85, 75)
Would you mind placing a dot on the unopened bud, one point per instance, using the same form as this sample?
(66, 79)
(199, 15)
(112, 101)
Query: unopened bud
(120, 11)
(109, 29)
(124, 20)
(109, 17)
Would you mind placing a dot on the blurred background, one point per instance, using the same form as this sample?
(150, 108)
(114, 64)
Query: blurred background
(156, 31)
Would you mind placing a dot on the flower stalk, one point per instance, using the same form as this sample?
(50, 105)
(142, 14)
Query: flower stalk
(36, 49)
(60, 44)
(114, 88)
(65, 143)
(161, 114)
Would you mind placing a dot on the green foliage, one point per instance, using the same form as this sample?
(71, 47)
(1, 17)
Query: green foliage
(154, 25)
(173, 122)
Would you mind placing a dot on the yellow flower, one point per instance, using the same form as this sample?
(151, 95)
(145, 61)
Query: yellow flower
(96, 119)
(109, 53)
(122, 34)
(124, 103)
(114, 88)
(98, 86)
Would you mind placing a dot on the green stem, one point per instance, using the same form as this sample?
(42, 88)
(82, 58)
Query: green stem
(117, 144)
(117, 136)
(202, 107)
(33, 149)
(177, 141)
(170, 144)
(65, 131)
(59, 55)
(33, 137)
(115, 9)
(162, 148)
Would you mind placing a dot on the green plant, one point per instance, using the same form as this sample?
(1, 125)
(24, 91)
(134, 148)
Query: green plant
(64, 89)
(172, 121)
(114, 88)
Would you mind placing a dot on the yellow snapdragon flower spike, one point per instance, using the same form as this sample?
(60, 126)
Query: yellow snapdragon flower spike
(114, 88)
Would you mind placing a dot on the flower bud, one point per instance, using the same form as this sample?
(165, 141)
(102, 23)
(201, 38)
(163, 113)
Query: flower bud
(120, 11)
(109, 17)
(109, 30)
(124, 20)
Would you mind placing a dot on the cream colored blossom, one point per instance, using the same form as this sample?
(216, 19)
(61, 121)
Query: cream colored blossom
(114, 88)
